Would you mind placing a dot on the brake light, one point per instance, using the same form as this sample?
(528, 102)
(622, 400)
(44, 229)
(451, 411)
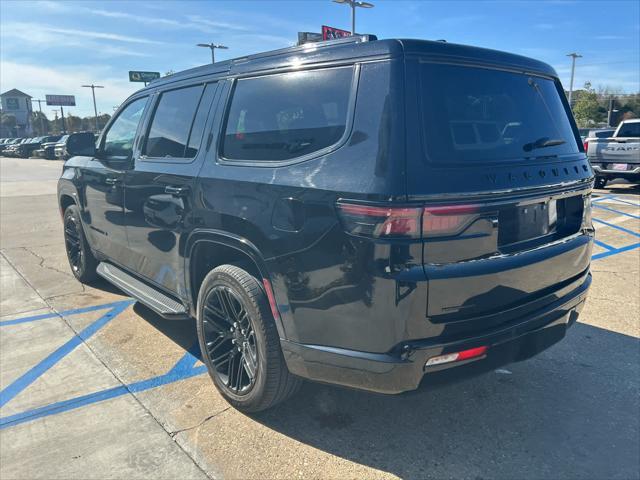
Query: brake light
(457, 356)
(586, 146)
(405, 222)
(447, 220)
(376, 221)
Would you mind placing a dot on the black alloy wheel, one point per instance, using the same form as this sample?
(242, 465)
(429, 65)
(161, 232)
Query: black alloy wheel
(81, 260)
(230, 340)
(73, 241)
(239, 341)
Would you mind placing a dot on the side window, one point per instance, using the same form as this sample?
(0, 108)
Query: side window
(122, 132)
(284, 116)
(631, 129)
(172, 124)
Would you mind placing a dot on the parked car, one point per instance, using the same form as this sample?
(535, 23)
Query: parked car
(617, 156)
(61, 148)
(12, 150)
(375, 214)
(25, 149)
(7, 144)
(47, 147)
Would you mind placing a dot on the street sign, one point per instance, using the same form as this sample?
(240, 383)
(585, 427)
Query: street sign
(145, 77)
(61, 100)
(331, 33)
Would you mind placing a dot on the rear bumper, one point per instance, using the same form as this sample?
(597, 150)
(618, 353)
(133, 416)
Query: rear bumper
(405, 370)
(604, 172)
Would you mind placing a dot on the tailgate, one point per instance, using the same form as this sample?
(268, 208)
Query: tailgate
(618, 151)
(501, 253)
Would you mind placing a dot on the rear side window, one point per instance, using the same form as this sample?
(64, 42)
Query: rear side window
(629, 130)
(171, 124)
(284, 116)
(475, 114)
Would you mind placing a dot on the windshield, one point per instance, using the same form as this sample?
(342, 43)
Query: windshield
(475, 114)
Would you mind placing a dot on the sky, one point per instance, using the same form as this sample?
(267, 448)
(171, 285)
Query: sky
(54, 47)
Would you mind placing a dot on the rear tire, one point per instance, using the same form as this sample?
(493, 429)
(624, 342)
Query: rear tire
(601, 182)
(81, 260)
(239, 341)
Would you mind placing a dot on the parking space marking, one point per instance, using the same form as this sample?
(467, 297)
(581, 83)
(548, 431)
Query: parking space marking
(604, 245)
(185, 368)
(617, 227)
(67, 313)
(613, 198)
(26, 379)
(617, 211)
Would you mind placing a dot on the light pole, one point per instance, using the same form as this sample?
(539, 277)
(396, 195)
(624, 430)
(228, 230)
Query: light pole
(354, 4)
(213, 47)
(93, 92)
(573, 71)
(41, 114)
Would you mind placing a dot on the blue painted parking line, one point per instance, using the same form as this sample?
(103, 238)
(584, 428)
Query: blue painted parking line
(617, 227)
(38, 370)
(608, 253)
(604, 245)
(67, 313)
(619, 212)
(183, 369)
(617, 199)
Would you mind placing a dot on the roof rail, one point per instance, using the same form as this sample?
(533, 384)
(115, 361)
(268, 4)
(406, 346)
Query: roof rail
(308, 46)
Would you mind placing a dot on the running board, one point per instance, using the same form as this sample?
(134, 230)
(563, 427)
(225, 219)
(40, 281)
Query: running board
(157, 301)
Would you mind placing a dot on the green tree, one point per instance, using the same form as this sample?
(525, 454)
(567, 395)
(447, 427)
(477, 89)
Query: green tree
(586, 108)
(73, 123)
(39, 124)
(8, 123)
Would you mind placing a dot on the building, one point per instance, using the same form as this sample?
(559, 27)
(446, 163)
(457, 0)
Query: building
(17, 104)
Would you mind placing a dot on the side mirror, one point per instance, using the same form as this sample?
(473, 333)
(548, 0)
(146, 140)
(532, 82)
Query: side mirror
(84, 145)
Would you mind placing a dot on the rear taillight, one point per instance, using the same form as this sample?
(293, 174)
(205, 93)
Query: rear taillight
(447, 220)
(377, 222)
(586, 146)
(405, 222)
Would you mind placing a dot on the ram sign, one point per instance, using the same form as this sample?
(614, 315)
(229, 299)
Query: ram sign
(61, 100)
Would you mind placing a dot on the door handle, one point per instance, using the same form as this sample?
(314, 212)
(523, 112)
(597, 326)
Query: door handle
(112, 181)
(176, 191)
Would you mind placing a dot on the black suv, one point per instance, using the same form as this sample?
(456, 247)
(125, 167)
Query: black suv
(374, 214)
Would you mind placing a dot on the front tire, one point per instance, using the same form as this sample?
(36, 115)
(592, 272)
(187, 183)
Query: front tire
(81, 260)
(239, 341)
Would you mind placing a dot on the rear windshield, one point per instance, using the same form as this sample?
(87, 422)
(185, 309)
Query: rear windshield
(476, 114)
(628, 130)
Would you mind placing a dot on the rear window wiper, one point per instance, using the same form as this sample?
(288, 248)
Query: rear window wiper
(542, 143)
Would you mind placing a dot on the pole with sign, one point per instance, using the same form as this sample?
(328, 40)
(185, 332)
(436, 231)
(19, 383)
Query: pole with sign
(144, 77)
(61, 101)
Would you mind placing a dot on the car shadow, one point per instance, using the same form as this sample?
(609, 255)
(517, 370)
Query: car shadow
(571, 412)
(181, 332)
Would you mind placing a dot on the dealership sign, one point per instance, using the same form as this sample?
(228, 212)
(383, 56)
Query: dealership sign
(146, 77)
(61, 100)
(331, 33)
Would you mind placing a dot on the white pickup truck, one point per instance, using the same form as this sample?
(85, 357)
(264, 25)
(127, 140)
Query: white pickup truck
(617, 156)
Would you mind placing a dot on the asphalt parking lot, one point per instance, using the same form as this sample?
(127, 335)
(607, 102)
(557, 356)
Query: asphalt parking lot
(95, 386)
